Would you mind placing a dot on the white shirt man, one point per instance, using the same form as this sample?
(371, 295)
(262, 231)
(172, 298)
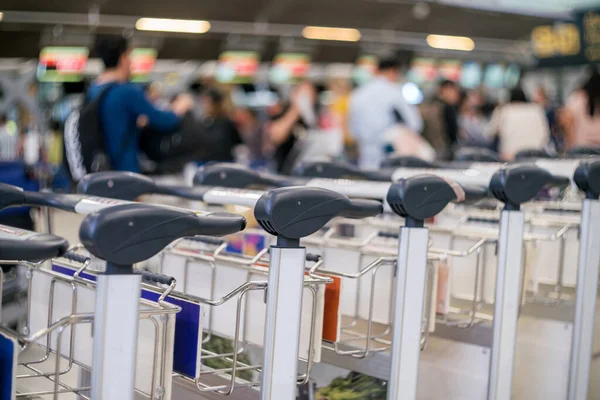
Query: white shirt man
(374, 108)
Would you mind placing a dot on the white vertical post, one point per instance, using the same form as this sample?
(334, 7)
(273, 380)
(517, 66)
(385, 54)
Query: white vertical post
(506, 307)
(282, 329)
(585, 305)
(407, 320)
(116, 322)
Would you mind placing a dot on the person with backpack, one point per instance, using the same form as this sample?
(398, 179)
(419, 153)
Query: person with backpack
(104, 133)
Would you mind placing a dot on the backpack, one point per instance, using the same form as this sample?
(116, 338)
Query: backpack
(84, 139)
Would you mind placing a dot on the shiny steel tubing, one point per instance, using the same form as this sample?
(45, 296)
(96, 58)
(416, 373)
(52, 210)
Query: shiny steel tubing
(408, 313)
(282, 328)
(507, 305)
(585, 305)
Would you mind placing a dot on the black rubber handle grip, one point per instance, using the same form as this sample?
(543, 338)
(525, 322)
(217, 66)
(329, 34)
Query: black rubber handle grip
(80, 258)
(361, 208)
(560, 181)
(474, 193)
(126, 234)
(238, 176)
(206, 239)
(153, 277)
(40, 246)
(388, 235)
(185, 192)
(587, 178)
(313, 257)
(483, 220)
(116, 185)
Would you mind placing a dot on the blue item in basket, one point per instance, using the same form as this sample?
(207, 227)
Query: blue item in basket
(8, 365)
(188, 327)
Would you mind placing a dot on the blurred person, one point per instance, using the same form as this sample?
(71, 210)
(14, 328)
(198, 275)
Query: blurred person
(377, 106)
(581, 115)
(441, 119)
(222, 135)
(340, 104)
(519, 125)
(54, 144)
(289, 122)
(124, 103)
(471, 121)
(9, 140)
(541, 97)
(252, 133)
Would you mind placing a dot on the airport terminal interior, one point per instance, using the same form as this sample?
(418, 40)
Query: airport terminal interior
(299, 200)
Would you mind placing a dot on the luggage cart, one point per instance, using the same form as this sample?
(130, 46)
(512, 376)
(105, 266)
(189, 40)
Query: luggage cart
(290, 214)
(107, 233)
(587, 177)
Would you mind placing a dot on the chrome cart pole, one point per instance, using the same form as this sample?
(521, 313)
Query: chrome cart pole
(408, 312)
(512, 186)
(587, 176)
(282, 329)
(416, 199)
(506, 307)
(115, 333)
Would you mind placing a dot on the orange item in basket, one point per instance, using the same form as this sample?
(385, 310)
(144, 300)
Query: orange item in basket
(331, 311)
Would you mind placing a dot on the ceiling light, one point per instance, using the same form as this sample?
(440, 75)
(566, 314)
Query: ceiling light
(461, 43)
(1, 16)
(172, 25)
(326, 33)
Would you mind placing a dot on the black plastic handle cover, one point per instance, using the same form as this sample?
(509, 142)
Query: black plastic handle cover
(332, 170)
(13, 196)
(584, 151)
(559, 181)
(475, 193)
(237, 176)
(518, 184)
(184, 192)
(80, 258)
(360, 208)
(297, 212)
(35, 248)
(154, 277)
(473, 154)
(313, 257)
(587, 178)
(397, 161)
(116, 185)
(422, 196)
(388, 235)
(130, 233)
(533, 154)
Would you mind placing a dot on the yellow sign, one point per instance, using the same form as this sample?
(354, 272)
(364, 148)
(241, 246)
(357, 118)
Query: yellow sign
(591, 34)
(558, 40)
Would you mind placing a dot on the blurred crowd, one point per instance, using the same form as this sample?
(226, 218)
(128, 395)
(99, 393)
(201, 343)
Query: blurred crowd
(144, 131)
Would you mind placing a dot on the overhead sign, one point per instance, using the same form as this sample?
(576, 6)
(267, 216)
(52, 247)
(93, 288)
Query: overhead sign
(568, 43)
(289, 67)
(471, 75)
(450, 69)
(62, 64)
(423, 72)
(237, 66)
(142, 61)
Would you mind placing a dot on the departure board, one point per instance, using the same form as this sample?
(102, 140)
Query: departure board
(568, 43)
